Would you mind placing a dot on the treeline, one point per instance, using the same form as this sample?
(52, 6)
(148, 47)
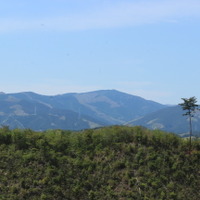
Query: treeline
(110, 163)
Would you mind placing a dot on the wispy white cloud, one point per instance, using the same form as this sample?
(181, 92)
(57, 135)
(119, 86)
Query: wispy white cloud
(119, 14)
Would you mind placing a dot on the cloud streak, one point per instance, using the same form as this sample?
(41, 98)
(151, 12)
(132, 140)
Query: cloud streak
(123, 14)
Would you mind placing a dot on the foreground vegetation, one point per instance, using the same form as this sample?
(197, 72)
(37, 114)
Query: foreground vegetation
(109, 163)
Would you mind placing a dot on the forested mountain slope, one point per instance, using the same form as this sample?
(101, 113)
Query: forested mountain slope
(108, 163)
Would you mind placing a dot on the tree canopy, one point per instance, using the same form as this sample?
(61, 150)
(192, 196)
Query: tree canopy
(189, 105)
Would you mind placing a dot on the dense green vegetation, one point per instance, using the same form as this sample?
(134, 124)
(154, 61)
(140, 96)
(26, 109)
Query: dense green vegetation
(108, 163)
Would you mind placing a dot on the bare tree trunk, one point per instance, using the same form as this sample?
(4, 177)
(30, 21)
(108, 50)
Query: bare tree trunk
(190, 145)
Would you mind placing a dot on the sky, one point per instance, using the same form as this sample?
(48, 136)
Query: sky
(148, 48)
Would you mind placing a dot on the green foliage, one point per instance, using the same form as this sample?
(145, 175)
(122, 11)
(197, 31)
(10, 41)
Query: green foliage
(189, 105)
(103, 164)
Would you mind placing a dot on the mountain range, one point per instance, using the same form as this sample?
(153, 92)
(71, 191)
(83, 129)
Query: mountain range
(72, 111)
(77, 111)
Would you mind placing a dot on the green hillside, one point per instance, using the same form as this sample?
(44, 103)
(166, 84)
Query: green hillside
(110, 163)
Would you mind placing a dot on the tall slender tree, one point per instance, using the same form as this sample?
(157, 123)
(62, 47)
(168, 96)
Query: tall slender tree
(190, 106)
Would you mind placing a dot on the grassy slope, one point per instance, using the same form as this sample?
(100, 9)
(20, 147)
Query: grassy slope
(108, 163)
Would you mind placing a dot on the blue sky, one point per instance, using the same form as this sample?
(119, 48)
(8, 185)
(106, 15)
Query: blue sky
(149, 48)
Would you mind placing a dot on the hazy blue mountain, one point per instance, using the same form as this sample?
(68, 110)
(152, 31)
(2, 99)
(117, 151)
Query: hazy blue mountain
(19, 112)
(72, 111)
(112, 106)
(169, 119)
